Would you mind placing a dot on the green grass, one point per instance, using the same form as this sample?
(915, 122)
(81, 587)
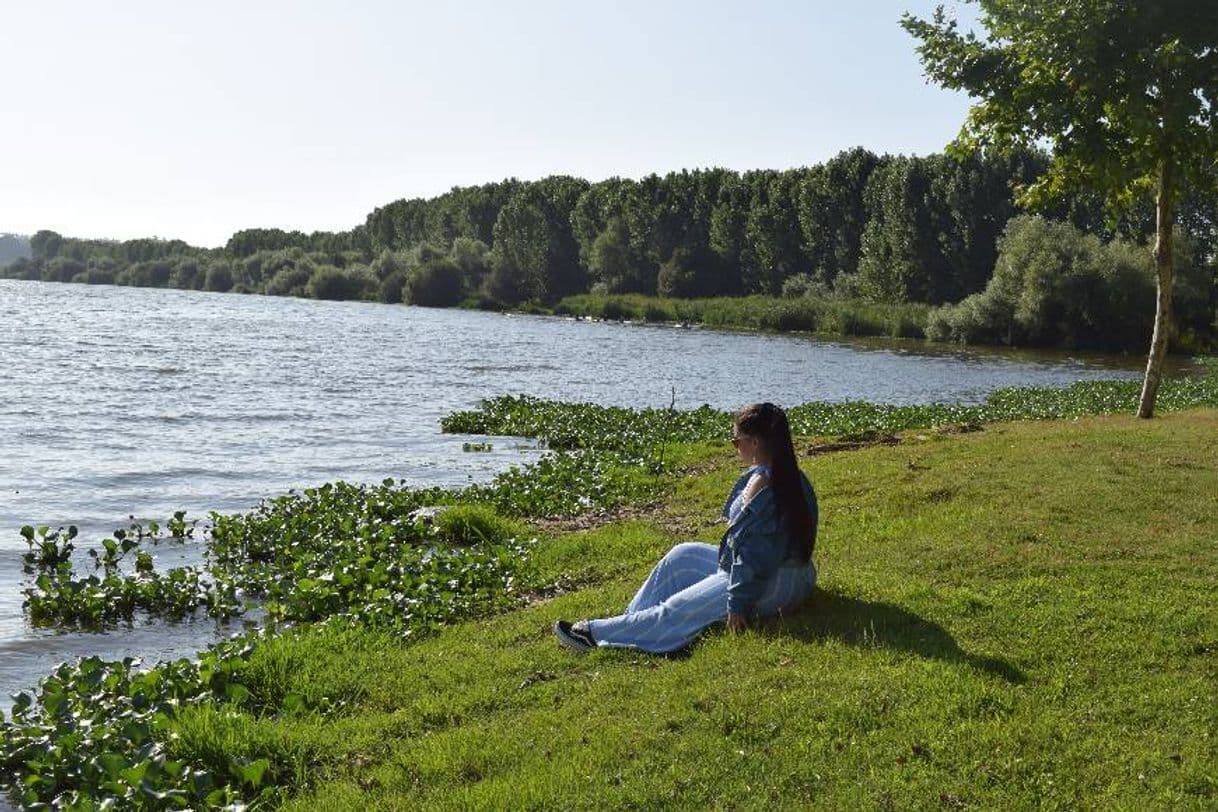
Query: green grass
(834, 317)
(1018, 617)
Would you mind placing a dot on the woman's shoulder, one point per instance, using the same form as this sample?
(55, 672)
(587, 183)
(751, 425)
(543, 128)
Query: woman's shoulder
(746, 476)
(759, 477)
(757, 473)
(748, 484)
(757, 489)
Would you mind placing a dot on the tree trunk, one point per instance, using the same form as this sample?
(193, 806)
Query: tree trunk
(1164, 278)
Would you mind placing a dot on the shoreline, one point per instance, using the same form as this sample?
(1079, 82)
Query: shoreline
(848, 319)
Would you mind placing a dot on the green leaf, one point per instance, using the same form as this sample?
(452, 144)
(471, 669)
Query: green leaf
(253, 772)
(135, 774)
(112, 763)
(236, 693)
(294, 704)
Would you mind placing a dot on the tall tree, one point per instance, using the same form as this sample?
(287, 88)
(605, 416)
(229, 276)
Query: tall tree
(727, 224)
(832, 213)
(45, 245)
(771, 250)
(533, 240)
(1126, 91)
(613, 216)
(900, 254)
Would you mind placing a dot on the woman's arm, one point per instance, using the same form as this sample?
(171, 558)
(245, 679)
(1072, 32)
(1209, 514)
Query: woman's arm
(757, 547)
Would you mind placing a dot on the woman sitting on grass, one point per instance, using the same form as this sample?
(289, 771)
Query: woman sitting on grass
(763, 565)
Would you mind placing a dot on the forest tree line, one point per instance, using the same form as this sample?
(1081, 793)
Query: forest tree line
(861, 226)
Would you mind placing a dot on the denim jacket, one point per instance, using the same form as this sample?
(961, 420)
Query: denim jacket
(755, 544)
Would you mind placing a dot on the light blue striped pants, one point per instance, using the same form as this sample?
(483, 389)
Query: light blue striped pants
(685, 593)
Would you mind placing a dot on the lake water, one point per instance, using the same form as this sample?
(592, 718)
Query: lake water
(127, 401)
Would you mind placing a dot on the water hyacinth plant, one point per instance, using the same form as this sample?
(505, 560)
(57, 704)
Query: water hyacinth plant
(61, 597)
(101, 735)
(48, 549)
(635, 433)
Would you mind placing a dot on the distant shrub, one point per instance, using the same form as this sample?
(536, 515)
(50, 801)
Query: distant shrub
(505, 283)
(390, 289)
(22, 268)
(473, 258)
(687, 274)
(151, 274)
(802, 284)
(847, 286)
(219, 277)
(616, 263)
(96, 276)
(426, 252)
(795, 316)
(436, 282)
(859, 322)
(1055, 285)
(289, 281)
(63, 269)
(341, 284)
(186, 274)
(907, 325)
(938, 324)
(654, 312)
(391, 263)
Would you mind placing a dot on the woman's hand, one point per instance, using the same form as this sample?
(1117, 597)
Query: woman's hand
(736, 623)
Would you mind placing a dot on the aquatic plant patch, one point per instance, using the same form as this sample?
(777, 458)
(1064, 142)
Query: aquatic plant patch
(66, 600)
(640, 434)
(95, 736)
(96, 731)
(338, 549)
(61, 597)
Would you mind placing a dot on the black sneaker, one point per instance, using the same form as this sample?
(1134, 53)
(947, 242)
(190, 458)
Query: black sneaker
(574, 637)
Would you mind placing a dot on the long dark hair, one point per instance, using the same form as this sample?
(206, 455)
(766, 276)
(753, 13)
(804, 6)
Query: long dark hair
(768, 423)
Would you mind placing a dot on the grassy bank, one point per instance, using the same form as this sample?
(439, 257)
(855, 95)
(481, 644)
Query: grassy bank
(1020, 616)
(835, 317)
(1011, 614)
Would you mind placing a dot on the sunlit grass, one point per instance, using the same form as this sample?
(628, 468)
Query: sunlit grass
(1013, 618)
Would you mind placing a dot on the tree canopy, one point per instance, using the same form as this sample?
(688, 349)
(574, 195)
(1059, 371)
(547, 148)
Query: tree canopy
(889, 229)
(1124, 91)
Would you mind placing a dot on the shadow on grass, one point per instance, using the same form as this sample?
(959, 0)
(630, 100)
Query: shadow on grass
(883, 625)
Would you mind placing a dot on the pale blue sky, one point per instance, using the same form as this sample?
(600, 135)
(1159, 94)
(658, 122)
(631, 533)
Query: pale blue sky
(193, 120)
